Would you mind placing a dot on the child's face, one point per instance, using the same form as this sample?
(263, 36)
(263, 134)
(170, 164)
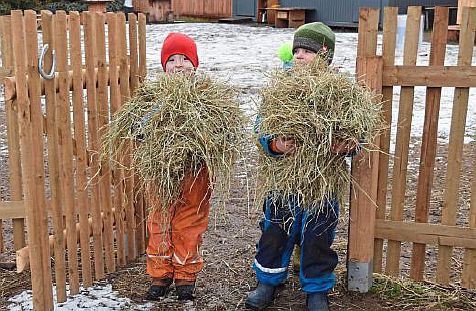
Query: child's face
(303, 56)
(178, 63)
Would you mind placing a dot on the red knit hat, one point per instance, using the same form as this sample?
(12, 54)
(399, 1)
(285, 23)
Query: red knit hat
(178, 43)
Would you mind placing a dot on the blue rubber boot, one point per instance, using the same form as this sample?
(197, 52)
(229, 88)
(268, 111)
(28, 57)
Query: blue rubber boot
(317, 302)
(261, 298)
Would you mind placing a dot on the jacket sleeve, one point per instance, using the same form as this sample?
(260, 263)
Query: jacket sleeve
(356, 151)
(264, 140)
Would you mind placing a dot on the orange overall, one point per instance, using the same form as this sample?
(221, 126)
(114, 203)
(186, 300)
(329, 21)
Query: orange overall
(174, 242)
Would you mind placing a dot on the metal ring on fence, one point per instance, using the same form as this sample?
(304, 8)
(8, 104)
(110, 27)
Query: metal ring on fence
(51, 75)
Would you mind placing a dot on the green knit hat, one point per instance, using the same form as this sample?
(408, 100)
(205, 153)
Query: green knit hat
(316, 37)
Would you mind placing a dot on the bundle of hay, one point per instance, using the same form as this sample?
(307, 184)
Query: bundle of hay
(316, 107)
(182, 123)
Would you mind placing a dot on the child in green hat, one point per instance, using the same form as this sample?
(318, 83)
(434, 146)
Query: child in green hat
(285, 223)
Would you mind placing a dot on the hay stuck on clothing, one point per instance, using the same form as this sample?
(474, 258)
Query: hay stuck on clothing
(182, 122)
(316, 107)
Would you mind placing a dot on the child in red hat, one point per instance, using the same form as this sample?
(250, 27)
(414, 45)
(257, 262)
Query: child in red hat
(174, 240)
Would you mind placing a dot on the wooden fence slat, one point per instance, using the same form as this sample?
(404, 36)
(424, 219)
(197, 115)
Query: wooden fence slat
(80, 143)
(37, 118)
(124, 76)
(469, 262)
(65, 147)
(28, 165)
(115, 96)
(367, 36)
(134, 57)
(135, 79)
(142, 47)
(53, 162)
(362, 198)
(388, 56)
(90, 45)
(105, 171)
(435, 76)
(13, 140)
(429, 139)
(26, 63)
(142, 74)
(403, 137)
(140, 220)
(456, 141)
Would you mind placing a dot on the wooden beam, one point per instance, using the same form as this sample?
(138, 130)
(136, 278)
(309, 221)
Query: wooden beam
(425, 233)
(10, 90)
(23, 254)
(432, 76)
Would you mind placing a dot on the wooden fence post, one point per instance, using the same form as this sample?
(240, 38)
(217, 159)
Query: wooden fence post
(53, 162)
(13, 140)
(90, 43)
(115, 96)
(103, 119)
(124, 74)
(364, 167)
(65, 148)
(81, 148)
(142, 47)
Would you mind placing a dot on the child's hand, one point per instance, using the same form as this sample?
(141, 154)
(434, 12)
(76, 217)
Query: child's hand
(284, 145)
(343, 147)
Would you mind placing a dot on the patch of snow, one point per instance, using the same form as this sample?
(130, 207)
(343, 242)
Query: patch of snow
(100, 297)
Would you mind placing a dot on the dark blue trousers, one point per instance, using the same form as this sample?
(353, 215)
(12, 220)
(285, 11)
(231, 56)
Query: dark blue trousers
(285, 224)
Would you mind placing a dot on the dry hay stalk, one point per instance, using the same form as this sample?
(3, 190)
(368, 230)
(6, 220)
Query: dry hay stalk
(316, 107)
(184, 122)
(407, 295)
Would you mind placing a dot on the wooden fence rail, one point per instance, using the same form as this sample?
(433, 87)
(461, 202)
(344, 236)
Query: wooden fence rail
(391, 227)
(57, 182)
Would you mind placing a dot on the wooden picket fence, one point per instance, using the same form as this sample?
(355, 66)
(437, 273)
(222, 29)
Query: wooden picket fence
(57, 182)
(391, 227)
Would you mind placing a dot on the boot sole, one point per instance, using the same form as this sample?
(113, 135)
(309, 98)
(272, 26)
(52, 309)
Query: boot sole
(256, 307)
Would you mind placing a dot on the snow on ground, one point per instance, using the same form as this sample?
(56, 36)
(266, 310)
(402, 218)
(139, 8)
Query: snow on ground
(100, 297)
(242, 55)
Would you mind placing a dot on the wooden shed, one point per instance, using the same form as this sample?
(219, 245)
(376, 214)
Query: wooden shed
(155, 10)
(202, 8)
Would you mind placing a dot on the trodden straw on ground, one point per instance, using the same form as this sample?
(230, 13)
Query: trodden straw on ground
(316, 107)
(180, 122)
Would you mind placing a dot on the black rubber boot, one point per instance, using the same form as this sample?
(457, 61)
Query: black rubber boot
(156, 292)
(261, 298)
(317, 302)
(185, 292)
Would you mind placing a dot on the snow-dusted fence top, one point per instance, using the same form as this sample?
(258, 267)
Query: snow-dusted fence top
(57, 183)
(396, 220)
